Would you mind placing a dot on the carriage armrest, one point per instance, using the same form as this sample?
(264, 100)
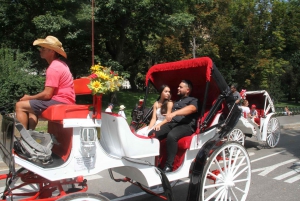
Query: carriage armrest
(118, 140)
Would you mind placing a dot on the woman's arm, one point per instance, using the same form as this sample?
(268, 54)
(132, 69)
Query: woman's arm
(169, 110)
(154, 118)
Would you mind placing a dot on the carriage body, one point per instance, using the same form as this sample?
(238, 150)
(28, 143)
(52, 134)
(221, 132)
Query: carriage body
(79, 153)
(266, 127)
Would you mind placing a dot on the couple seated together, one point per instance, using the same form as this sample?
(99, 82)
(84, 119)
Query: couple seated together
(249, 113)
(173, 120)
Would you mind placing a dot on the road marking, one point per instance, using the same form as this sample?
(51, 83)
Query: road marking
(290, 173)
(258, 159)
(267, 170)
(293, 179)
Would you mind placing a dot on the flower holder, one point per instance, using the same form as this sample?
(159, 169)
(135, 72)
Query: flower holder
(97, 103)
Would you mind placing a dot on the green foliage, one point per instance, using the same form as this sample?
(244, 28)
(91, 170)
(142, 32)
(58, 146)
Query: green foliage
(252, 43)
(16, 79)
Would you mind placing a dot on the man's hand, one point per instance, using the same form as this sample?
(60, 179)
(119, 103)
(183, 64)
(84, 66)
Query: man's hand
(170, 116)
(25, 98)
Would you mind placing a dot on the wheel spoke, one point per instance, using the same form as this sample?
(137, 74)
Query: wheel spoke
(242, 171)
(214, 185)
(213, 194)
(231, 175)
(239, 189)
(239, 165)
(219, 167)
(215, 176)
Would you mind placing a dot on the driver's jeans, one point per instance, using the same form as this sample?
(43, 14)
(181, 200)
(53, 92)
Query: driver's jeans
(173, 132)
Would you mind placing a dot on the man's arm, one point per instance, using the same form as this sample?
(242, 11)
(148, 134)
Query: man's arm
(46, 94)
(189, 109)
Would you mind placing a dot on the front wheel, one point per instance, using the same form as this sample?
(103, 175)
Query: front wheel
(83, 196)
(227, 174)
(236, 135)
(273, 132)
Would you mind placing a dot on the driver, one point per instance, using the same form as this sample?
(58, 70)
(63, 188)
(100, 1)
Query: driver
(181, 122)
(59, 87)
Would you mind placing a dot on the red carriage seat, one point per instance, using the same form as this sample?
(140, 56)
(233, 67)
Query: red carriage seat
(260, 113)
(56, 113)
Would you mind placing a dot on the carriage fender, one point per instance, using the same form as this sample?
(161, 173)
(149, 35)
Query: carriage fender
(198, 167)
(265, 126)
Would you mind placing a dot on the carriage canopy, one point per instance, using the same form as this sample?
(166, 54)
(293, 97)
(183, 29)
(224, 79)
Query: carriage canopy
(199, 71)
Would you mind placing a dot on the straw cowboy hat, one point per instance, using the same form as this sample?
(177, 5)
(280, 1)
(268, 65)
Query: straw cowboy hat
(122, 107)
(51, 43)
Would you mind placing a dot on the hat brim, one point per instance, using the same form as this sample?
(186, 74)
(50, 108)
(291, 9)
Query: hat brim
(44, 43)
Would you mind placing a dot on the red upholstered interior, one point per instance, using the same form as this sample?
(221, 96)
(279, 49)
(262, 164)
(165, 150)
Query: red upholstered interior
(260, 113)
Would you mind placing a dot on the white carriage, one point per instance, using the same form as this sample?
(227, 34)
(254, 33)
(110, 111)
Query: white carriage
(266, 127)
(218, 170)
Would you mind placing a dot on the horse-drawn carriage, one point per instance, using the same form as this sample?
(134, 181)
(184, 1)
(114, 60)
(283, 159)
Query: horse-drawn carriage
(265, 127)
(218, 170)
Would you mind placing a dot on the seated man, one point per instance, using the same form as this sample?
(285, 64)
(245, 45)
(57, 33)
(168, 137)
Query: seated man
(181, 122)
(59, 86)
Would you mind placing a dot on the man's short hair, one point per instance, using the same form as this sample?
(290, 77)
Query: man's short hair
(234, 85)
(110, 104)
(188, 83)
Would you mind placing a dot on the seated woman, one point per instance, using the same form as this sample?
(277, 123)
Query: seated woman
(245, 108)
(287, 111)
(160, 108)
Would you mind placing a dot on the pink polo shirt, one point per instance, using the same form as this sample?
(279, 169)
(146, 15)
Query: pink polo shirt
(58, 75)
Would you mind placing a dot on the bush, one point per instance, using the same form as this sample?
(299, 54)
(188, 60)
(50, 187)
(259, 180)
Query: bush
(16, 79)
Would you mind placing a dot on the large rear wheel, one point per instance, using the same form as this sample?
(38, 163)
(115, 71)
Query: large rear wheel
(227, 174)
(273, 132)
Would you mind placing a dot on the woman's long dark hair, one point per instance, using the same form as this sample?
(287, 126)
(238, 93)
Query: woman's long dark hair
(164, 106)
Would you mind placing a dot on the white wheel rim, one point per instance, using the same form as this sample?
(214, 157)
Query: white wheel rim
(237, 135)
(273, 132)
(233, 180)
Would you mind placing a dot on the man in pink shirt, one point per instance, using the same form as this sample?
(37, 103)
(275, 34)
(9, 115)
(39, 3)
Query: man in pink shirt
(59, 87)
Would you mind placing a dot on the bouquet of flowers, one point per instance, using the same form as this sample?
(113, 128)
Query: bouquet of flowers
(103, 80)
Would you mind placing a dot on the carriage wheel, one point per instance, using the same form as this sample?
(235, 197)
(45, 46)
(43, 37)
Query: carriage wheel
(273, 132)
(227, 174)
(83, 196)
(237, 135)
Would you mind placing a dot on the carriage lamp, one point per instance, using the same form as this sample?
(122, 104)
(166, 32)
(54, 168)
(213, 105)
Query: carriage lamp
(88, 141)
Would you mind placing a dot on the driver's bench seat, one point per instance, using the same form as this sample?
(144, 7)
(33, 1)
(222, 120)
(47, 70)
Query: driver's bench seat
(56, 113)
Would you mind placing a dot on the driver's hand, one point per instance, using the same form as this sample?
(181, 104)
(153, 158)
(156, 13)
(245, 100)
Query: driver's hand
(25, 98)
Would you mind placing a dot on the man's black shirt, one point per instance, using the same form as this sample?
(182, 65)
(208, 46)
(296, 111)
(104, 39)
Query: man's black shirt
(188, 119)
